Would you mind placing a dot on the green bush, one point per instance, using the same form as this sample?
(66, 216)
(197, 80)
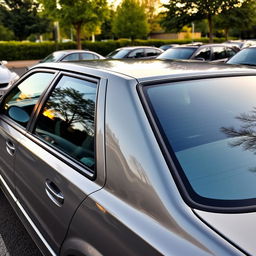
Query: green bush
(32, 51)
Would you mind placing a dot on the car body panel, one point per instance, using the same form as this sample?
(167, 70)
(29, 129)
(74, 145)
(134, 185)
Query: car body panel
(132, 206)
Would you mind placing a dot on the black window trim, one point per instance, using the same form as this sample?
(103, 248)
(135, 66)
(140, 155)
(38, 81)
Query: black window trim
(186, 190)
(69, 160)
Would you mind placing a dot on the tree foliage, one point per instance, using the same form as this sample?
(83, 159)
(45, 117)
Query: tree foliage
(182, 12)
(22, 17)
(130, 20)
(79, 13)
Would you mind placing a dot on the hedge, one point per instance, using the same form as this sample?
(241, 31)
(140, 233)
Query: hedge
(31, 51)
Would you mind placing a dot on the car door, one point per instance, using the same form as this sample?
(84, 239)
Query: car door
(55, 163)
(25, 95)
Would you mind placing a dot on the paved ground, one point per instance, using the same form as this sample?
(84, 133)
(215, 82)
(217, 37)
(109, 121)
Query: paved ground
(14, 239)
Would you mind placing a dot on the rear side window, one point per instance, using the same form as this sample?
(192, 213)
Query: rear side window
(25, 96)
(67, 119)
(209, 129)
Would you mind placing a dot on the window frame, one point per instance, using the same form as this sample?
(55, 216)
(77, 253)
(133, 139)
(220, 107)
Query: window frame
(65, 157)
(191, 198)
(11, 121)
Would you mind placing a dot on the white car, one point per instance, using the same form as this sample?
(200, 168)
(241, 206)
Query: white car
(7, 78)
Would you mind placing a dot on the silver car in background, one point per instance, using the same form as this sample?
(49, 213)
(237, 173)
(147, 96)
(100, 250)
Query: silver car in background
(7, 78)
(132, 158)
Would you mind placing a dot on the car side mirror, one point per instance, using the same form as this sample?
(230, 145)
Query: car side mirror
(18, 114)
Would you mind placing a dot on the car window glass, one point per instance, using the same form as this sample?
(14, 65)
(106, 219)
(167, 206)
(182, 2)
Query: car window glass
(151, 52)
(67, 119)
(177, 53)
(139, 53)
(71, 57)
(214, 143)
(230, 52)
(204, 53)
(218, 53)
(245, 56)
(88, 56)
(26, 94)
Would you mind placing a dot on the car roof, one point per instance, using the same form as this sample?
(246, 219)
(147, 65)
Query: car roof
(136, 47)
(149, 70)
(70, 50)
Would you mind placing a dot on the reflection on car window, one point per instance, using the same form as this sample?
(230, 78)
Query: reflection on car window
(218, 53)
(204, 53)
(88, 56)
(27, 93)
(71, 57)
(209, 124)
(67, 119)
(139, 53)
(177, 53)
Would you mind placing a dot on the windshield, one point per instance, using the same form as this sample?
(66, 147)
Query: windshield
(209, 127)
(246, 56)
(53, 57)
(118, 54)
(177, 53)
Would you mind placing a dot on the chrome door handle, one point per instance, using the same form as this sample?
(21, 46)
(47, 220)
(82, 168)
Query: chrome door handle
(54, 193)
(10, 147)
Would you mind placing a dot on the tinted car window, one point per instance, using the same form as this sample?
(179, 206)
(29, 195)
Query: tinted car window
(67, 119)
(211, 134)
(246, 56)
(151, 52)
(204, 53)
(218, 53)
(88, 56)
(177, 53)
(230, 52)
(139, 53)
(71, 57)
(27, 93)
(118, 54)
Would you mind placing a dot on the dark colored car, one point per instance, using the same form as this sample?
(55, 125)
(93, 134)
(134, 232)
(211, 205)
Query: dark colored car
(132, 158)
(208, 52)
(72, 55)
(246, 56)
(135, 52)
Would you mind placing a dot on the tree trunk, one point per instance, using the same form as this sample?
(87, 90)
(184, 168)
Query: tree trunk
(78, 36)
(210, 25)
(226, 33)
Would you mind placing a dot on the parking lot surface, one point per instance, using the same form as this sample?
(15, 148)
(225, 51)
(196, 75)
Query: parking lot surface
(14, 239)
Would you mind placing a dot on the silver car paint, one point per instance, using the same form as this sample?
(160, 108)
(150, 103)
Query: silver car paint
(139, 211)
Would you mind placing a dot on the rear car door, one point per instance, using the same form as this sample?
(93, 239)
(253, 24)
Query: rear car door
(55, 160)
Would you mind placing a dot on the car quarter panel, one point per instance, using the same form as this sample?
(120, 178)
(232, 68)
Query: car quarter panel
(139, 211)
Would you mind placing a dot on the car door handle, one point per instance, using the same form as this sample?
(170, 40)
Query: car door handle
(10, 147)
(54, 193)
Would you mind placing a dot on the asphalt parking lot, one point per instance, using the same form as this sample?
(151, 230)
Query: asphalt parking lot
(14, 239)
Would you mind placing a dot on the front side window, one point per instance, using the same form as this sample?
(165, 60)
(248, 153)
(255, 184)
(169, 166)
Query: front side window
(21, 100)
(218, 53)
(209, 129)
(67, 119)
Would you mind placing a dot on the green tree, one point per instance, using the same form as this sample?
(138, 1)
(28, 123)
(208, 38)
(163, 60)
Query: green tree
(78, 13)
(182, 12)
(22, 17)
(130, 20)
(241, 18)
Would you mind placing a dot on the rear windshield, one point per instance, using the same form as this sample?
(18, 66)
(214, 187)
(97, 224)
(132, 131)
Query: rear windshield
(118, 54)
(246, 57)
(177, 53)
(53, 57)
(209, 127)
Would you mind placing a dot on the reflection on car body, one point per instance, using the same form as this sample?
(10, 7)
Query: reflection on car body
(132, 158)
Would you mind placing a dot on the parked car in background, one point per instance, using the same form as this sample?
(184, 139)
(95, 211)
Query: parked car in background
(246, 56)
(71, 55)
(7, 78)
(167, 46)
(135, 52)
(241, 43)
(132, 158)
(207, 52)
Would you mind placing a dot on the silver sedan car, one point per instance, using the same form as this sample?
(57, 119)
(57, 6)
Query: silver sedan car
(132, 158)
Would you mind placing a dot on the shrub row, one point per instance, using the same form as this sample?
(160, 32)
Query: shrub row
(27, 50)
